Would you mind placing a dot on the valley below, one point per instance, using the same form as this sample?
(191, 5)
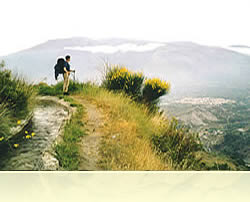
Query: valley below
(223, 124)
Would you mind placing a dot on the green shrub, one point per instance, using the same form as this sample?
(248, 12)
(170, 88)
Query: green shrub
(4, 122)
(45, 89)
(178, 146)
(15, 92)
(119, 78)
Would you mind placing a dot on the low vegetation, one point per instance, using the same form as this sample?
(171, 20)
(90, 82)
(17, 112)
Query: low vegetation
(4, 122)
(16, 100)
(56, 90)
(15, 92)
(67, 151)
(178, 146)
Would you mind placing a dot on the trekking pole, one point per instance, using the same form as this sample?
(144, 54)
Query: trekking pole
(74, 75)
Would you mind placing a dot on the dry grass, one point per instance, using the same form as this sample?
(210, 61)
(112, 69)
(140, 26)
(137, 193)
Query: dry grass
(124, 149)
(128, 132)
(126, 144)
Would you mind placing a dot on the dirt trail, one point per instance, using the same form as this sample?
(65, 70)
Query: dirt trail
(89, 145)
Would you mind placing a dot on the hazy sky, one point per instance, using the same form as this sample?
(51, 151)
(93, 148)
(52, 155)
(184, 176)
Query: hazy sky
(29, 22)
(125, 187)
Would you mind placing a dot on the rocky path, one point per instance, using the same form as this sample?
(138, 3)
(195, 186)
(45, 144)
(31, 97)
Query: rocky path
(36, 140)
(33, 144)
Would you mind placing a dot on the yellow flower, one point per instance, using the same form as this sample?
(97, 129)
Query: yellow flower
(1, 139)
(33, 134)
(16, 145)
(157, 83)
(123, 69)
(28, 136)
(26, 132)
(18, 122)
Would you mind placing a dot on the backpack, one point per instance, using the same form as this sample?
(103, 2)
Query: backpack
(59, 67)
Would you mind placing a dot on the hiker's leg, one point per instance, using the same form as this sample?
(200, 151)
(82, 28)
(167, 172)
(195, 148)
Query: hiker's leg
(67, 83)
(64, 82)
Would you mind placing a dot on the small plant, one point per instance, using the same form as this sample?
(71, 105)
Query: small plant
(119, 78)
(2, 64)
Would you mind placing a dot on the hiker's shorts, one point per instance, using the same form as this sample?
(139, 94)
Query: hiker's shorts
(65, 83)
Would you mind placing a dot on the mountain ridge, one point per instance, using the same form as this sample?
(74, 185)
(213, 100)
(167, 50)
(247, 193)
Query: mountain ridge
(182, 63)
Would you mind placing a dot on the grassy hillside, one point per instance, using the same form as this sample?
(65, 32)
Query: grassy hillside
(128, 129)
(134, 136)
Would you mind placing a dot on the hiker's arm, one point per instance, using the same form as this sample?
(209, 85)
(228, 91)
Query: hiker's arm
(65, 70)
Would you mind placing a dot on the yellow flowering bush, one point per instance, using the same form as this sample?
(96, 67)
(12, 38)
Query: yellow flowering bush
(120, 78)
(154, 88)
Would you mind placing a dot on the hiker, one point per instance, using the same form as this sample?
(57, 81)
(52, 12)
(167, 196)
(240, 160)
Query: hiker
(66, 74)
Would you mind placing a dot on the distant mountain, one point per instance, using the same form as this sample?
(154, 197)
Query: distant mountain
(239, 46)
(184, 64)
(240, 49)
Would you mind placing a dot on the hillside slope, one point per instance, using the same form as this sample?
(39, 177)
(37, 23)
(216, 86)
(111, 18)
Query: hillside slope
(116, 133)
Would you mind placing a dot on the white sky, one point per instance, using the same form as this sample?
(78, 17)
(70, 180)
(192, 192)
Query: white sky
(211, 22)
